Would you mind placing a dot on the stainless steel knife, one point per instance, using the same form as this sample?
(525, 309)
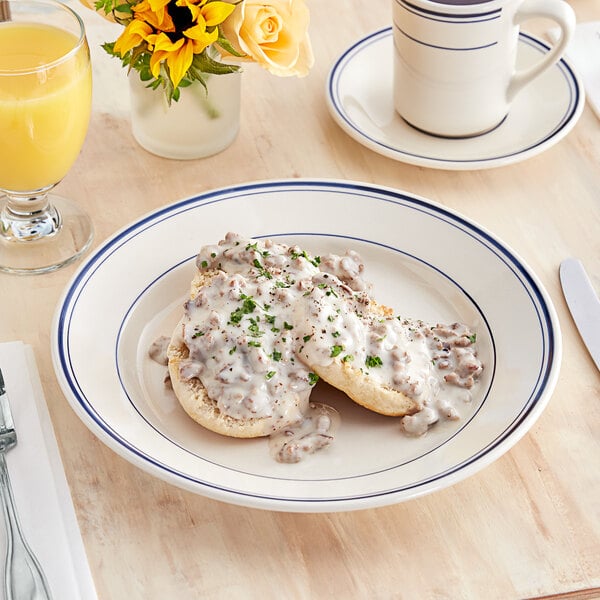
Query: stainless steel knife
(583, 303)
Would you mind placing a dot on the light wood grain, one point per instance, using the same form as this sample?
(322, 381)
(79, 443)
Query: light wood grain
(527, 526)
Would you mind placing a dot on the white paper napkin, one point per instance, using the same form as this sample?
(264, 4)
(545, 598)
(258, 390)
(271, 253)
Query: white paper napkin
(583, 52)
(39, 485)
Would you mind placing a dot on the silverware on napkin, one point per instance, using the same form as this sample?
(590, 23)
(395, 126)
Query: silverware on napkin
(24, 577)
(583, 304)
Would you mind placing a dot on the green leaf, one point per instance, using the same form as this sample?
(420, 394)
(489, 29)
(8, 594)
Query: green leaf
(224, 43)
(103, 5)
(108, 48)
(146, 75)
(204, 63)
(123, 8)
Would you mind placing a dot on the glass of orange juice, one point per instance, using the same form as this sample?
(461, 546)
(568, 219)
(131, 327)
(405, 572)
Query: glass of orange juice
(45, 105)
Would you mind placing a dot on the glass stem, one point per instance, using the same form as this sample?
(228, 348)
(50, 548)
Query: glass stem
(27, 217)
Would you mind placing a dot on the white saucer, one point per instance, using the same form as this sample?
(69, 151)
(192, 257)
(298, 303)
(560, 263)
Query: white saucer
(359, 96)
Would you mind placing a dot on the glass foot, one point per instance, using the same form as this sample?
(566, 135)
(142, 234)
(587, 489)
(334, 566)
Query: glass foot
(36, 244)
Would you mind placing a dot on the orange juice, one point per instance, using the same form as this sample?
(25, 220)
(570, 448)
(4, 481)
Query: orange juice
(45, 103)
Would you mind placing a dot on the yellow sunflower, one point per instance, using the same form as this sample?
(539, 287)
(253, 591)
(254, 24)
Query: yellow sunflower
(154, 12)
(174, 31)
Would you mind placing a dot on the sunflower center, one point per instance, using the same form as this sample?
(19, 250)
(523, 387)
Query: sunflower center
(182, 18)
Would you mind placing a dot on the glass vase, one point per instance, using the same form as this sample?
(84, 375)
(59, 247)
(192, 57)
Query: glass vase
(200, 124)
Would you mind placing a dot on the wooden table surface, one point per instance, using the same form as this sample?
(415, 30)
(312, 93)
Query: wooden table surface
(526, 526)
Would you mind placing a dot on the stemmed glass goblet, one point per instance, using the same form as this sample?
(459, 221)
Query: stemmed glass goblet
(45, 105)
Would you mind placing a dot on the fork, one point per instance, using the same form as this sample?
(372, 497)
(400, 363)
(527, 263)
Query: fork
(24, 578)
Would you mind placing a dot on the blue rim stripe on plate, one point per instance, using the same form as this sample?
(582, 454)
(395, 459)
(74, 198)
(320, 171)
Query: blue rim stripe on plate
(373, 193)
(575, 95)
(190, 204)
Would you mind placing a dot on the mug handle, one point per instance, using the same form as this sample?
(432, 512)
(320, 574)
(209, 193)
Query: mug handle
(556, 10)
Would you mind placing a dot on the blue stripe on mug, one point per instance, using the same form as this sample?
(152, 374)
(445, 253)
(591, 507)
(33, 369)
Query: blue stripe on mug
(442, 47)
(437, 15)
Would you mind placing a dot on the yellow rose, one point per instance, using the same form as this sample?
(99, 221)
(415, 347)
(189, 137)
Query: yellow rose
(272, 33)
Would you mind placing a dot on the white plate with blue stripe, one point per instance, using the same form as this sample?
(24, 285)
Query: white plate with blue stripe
(360, 99)
(423, 259)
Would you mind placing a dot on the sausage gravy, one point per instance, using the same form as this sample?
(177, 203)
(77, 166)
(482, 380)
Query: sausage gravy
(272, 309)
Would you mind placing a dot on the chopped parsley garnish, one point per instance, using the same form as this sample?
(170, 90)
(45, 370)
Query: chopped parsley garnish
(472, 338)
(249, 303)
(254, 329)
(197, 334)
(336, 350)
(204, 264)
(233, 349)
(255, 248)
(254, 344)
(313, 378)
(373, 361)
(348, 358)
(336, 334)
(247, 307)
(270, 375)
(276, 356)
(307, 337)
(261, 269)
(287, 326)
(316, 261)
(236, 316)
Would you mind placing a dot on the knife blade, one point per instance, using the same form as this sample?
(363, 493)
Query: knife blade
(583, 304)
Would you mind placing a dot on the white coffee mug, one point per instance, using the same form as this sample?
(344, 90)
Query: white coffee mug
(455, 60)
